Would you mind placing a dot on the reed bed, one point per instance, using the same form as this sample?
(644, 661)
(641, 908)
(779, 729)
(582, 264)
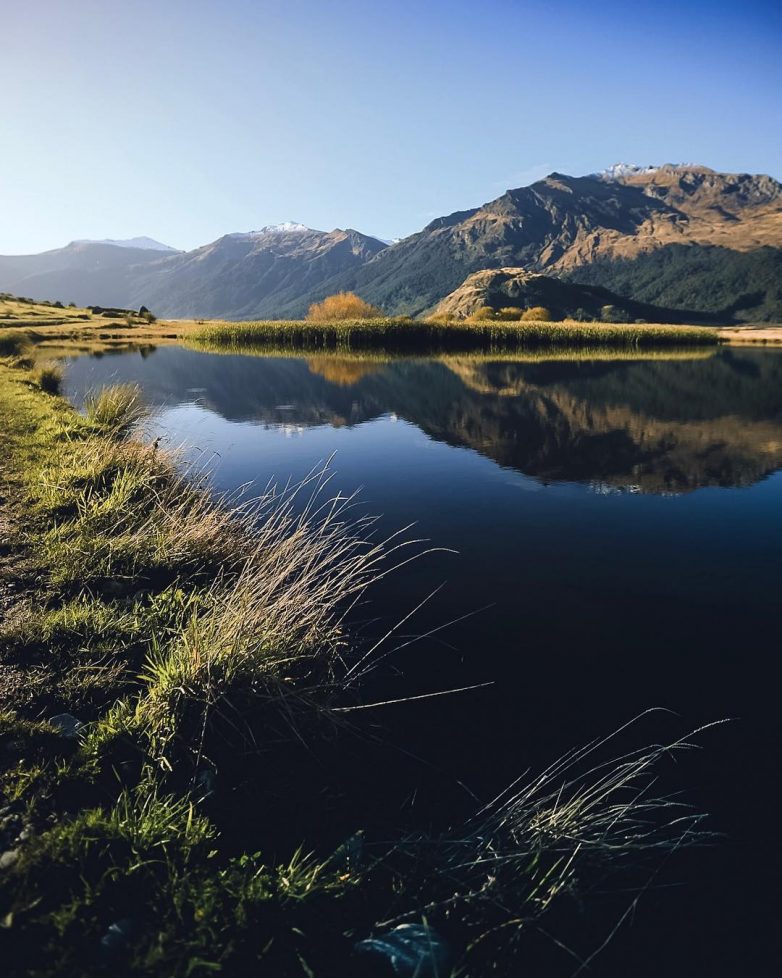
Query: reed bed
(411, 336)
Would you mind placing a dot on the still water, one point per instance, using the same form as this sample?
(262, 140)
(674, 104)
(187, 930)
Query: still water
(618, 537)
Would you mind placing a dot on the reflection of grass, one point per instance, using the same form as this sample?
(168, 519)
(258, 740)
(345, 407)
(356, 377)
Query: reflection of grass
(410, 336)
(347, 363)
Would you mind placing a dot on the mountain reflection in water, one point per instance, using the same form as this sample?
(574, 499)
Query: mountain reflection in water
(649, 425)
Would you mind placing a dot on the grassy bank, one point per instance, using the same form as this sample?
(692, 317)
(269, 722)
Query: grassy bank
(411, 336)
(187, 784)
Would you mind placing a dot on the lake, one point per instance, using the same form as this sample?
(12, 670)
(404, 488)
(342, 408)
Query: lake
(618, 535)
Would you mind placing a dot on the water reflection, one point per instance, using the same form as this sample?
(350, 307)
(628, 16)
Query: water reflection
(650, 425)
(609, 586)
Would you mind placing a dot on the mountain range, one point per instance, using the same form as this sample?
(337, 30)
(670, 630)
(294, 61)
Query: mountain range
(677, 236)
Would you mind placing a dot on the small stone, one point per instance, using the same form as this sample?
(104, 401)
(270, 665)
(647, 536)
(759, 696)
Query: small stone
(67, 725)
(8, 859)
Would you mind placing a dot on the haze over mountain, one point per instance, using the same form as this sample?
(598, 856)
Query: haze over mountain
(679, 236)
(143, 242)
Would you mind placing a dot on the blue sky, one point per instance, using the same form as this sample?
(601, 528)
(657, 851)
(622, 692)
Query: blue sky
(186, 119)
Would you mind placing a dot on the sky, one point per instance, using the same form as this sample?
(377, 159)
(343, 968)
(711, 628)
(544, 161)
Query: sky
(188, 119)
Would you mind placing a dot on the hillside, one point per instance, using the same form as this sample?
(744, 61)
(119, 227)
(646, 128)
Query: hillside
(517, 288)
(84, 272)
(744, 285)
(564, 223)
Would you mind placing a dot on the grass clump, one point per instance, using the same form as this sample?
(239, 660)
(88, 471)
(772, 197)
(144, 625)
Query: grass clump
(116, 408)
(49, 377)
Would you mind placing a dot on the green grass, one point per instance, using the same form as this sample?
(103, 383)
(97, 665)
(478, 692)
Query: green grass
(411, 336)
(116, 408)
(206, 647)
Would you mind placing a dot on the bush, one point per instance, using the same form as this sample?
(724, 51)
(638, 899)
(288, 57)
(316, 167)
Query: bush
(481, 313)
(510, 314)
(344, 305)
(536, 314)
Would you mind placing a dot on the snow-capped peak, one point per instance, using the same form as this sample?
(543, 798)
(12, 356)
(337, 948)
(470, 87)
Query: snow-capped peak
(287, 227)
(618, 170)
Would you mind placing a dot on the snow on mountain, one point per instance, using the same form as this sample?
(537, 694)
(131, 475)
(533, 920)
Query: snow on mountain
(146, 244)
(287, 227)
(619, 170)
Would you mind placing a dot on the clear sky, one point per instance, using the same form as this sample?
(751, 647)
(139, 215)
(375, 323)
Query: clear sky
(187, 119)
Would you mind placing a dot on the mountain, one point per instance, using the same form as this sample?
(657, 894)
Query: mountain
(562, 223)
(518, 288)
(87, 273)
(679, 236)
(250, 275)
(241, 275)
(148, 244)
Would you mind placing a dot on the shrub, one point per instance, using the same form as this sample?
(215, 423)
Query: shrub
(481, 313)
(510, 314)
(536, 314)
(344, 305)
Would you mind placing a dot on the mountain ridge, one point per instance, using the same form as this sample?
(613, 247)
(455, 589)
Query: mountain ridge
(561, 225)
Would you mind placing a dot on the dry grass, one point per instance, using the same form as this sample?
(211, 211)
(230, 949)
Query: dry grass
(586, 817)
(435, 337)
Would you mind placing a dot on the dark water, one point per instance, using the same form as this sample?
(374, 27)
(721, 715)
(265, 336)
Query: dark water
(620, 522)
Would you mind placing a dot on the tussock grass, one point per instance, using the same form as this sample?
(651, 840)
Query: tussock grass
(49, 376)
(116, 408)
(408, 335)
(12, 343)
(589, 816)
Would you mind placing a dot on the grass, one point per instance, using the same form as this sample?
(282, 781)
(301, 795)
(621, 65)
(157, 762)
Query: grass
(116, 408)
(205, 644)
(49, 377)
(411, 336)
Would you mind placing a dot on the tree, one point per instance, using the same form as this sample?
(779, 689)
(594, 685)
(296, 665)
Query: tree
(344, 305)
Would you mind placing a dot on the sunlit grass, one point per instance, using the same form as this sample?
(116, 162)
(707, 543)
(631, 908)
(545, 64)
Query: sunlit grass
(408, 335)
